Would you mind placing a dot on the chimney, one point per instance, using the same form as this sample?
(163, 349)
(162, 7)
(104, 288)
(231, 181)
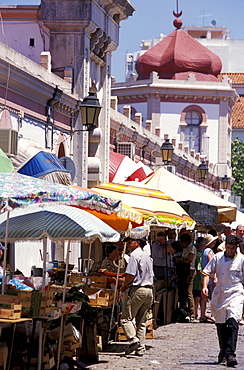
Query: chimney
(138, 118)
(127, 111)
(114, 102)
(45, 60)
(148, 124)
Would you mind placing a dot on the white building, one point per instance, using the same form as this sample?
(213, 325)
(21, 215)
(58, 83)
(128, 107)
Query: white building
(177, 90)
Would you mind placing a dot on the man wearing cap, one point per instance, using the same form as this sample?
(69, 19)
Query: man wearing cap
(228, 296)
(139, 285)
(207, 255)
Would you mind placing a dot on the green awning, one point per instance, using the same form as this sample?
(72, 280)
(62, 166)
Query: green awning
(5, 163)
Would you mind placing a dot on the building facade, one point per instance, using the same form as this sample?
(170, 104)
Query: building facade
(179, 95)
(75, 41)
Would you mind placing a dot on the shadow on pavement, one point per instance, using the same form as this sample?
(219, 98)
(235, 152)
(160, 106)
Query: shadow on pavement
(203, 363)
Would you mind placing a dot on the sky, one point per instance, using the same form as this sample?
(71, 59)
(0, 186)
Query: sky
(154, 17)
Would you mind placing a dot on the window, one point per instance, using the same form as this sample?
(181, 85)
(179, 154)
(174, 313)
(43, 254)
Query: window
(32, 42)
(130, 66)
(193, 120)
(193, 123)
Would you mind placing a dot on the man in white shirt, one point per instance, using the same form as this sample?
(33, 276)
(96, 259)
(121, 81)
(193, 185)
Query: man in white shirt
(228, 296)
(139, 295)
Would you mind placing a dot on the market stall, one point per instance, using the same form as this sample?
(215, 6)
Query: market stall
(57, 222)
(18, 190)
(160, 212)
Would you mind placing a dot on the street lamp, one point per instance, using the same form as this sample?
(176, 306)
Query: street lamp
(90, 110)
(167, 150)
(225, 182)
(202, 171)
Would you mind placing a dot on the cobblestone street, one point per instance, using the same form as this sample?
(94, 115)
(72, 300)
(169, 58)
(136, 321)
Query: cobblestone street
(189, 346)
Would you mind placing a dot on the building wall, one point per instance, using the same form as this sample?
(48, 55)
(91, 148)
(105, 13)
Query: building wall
(21, 24)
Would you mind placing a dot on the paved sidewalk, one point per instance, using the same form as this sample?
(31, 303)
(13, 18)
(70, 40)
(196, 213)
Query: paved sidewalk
(188, 346)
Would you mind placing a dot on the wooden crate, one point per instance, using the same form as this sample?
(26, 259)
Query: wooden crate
(23, 296)
(102, 297)
(98, 281)
(149, 332)
(121, 337)
(34, 303)
(12, 313)
(91, 280)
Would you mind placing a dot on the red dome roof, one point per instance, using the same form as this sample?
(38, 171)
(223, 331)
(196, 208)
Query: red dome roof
(177, 54)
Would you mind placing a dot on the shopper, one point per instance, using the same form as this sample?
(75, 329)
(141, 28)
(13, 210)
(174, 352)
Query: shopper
(240, 233)
(207, 255)
(138, 285)
(227, 300)
(197, 283)
(160, 256)
(188, 258)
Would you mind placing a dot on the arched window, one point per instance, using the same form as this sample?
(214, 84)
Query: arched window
(193, 124)
(192, 130)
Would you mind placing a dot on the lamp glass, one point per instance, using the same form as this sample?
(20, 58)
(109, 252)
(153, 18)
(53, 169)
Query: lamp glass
(225, 181)
(90, 110)
(167, 150)
(202, 171)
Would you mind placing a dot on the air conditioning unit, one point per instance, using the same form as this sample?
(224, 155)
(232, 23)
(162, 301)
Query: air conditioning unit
(9, 141)
(126, 148)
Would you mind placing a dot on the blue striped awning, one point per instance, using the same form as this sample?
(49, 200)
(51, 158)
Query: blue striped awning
(42, 164)
(56, 222)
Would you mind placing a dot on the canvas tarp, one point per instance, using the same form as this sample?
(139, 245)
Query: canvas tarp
(182, 191)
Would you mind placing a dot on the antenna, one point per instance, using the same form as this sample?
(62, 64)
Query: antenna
(203, 15)
(213, 22)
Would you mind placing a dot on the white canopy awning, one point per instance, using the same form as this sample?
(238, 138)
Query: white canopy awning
(182, 190)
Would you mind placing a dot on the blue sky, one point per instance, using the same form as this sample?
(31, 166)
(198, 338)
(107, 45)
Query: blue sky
(153, 17)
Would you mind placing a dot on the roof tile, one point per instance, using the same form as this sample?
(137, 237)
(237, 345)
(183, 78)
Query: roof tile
(238, 113)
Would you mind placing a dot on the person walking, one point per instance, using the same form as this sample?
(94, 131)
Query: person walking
(228, 296)
(139, 295)
(240, 233)
(207, 255)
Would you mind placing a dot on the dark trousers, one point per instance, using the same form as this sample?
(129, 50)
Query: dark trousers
(227, 335)
(182, 291)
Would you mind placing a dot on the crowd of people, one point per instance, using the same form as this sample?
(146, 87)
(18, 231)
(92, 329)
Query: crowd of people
(205, 269)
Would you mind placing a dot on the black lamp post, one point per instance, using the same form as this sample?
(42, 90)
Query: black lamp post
(225, 182)
(90, 110)
(167, 150)
(202, 171)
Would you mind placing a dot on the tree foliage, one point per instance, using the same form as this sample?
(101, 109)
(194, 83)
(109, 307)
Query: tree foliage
(237, 163)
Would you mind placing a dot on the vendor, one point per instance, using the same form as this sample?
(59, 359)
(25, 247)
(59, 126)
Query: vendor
(112, 255)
